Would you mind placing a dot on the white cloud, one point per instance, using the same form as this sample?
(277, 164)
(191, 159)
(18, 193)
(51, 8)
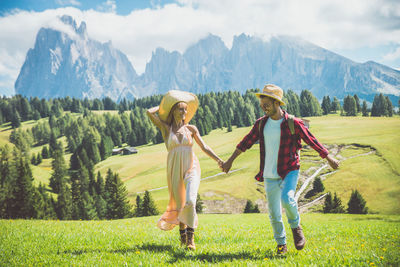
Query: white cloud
(332, 24)
(108, 6)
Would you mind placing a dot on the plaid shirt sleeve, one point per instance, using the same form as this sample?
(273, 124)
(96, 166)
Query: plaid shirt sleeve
(252, 137)
(309, 138)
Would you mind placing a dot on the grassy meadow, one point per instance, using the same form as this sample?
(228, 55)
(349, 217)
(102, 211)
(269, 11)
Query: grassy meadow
(235, 240)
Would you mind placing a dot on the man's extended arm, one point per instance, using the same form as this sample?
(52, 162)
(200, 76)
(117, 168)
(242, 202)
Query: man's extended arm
(310, 139)
(226, 166)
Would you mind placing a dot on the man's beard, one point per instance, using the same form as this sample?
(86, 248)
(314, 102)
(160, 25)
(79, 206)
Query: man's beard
(272, 112)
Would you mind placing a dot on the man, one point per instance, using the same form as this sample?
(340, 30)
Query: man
(279, 162)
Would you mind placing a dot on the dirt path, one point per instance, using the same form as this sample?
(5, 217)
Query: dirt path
(308, 180)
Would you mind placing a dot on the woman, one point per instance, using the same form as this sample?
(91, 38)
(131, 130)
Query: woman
(176, 109)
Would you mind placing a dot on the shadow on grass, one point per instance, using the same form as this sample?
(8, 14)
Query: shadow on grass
(221, 256)
(149, 247)
(180, 254)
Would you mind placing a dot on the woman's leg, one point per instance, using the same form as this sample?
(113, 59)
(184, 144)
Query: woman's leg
(182, 233)
(188, 215)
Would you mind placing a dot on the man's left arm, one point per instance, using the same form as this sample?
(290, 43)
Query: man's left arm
(310, 139)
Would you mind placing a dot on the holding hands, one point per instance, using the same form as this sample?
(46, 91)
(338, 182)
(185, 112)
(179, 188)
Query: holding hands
(225, 166)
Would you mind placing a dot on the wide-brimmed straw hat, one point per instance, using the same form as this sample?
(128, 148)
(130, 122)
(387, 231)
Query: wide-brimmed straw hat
(175, 96)
(272, 91)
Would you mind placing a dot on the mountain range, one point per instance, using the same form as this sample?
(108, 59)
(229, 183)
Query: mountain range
(71, 64)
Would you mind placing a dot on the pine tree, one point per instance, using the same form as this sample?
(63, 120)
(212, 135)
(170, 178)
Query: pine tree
(389, 106)
(335, 104)
(39, 158)
(309, 105)
(76, 200)
(398, 105)
(229, 126)
(47, 210)
(52, 143)
(59, 170)
(249, 208)
(64, 204)
(326, 105)
(106, 146)
(138, 209)
(33, 159)
(328, 204)
(357, 204)
(6, 176)
(100, 185)
(118, 205)
(22, 200)
(318, 186)
(15, 119)
(148, 207)
(89, 207)
(358, 106)
(45, 152)
(101, 207)
(293, 103)
(364, 109)
(337, 206)
(349, 106)
(199, 204)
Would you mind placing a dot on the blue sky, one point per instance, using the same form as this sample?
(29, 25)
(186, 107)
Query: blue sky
(361, 30)
(123, 7)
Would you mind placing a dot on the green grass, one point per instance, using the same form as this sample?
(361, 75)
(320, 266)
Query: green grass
(240, 239)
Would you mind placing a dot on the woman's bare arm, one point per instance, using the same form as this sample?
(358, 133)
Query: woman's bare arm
(196, 135)
(151, 113)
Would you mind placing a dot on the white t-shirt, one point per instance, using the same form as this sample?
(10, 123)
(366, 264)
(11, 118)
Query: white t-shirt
(272, 140)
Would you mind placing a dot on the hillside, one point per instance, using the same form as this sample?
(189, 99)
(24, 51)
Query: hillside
(235, 240)
(375, 175)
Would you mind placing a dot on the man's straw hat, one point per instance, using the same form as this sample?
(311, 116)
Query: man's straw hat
(273, 91)
(174, 96)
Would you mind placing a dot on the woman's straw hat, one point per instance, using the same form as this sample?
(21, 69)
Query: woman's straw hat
(272, 91)
(174, 96)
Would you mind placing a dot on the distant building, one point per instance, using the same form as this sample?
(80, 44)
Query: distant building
(124, 151)
(129, 150)
(117, 151)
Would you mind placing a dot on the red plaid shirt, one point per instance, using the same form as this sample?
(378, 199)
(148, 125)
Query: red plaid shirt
(288, 157)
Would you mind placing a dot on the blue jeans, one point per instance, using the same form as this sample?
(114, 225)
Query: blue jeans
(282, 191)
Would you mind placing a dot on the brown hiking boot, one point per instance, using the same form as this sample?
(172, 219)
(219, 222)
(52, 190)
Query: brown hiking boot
(190, 239)
(281, 249)
(298, 237)
(183, 237)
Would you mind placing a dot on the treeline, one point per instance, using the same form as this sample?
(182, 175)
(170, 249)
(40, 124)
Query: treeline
(381, 106)
(76, 197)
(220, 109)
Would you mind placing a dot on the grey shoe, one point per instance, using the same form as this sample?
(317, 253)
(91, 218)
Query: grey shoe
(281, 249)
(298, 237)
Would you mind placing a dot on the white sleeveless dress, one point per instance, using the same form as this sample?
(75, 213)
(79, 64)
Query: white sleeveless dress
(183, 175)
